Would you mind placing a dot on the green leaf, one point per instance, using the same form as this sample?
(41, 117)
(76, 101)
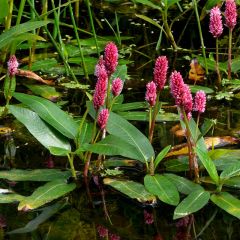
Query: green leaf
(232, 171)
(10, 198)
(113, 145)
(207, 125)
(121, 72)
(233, 182)
(45, 91)
(159, 185)
(161, 156)
(46, 193)
(41, 218)
(57, 151)
(195, 88)
(129, 106)
(147, 19)
(183, 185)
(9, 87)
(42, 64)
(86, 133)
(208, 164)
(121, 128)
(227, 202)
(148, 3)
(8, 36)
(131, 189)
(143, 116)
(44, 133)
(37, 175)
(177, 165)
(192, 203)
(171, 2)
(50, 113)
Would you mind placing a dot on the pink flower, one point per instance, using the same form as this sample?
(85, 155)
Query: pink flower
(181, 92)
(12, 66)
(102, 231)
(230, 14)
(148, 217)
(151, 94)
(103, 118)
(160, 72)
(99, 66)
(215, 26)
(117, 86)
(101, 87)
(114, 236)
(200, 101)
(111, 57)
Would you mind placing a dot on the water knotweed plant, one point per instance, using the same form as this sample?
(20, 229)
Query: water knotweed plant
(230, 21)
(216, 29)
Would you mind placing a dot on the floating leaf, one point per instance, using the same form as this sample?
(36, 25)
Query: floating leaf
(46, 193)
(37, 175)
(227, 202)
(131, 189)
(183, 185)
(192, 203)
(46, 213)
(159, 185)
(45, 134)
(51, 113)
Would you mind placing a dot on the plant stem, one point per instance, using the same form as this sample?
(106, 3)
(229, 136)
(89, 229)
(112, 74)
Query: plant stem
(201, 36)
(78, 41)
(70, 159)
(92, 25)
(217, 66)
(196, 131)
(230, 54)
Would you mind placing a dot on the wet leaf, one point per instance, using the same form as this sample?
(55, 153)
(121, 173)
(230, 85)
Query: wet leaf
(51, 113)
(46, 193)
(10, 198)
(208, 164)
(41, 218)
(183, 185)
(45, 134)
(192, 203)
(227, 202)
(231, 171)
(113, 145)
(37, 175)
(164, 189)
(8, 36)
(131, 189)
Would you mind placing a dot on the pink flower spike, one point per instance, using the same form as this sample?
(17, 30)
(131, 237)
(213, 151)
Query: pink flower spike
(111, 57)
(12, 66)
(216, 26)
(160, 72)
(103, 118)
(102, 231)
(148, 217)
(117, 86)
(231, 13)
(99, 66)
(151, 94)
(101, 87)
(200, 101)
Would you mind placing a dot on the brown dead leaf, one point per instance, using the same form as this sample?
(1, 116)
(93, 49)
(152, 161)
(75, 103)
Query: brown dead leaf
(196, 72)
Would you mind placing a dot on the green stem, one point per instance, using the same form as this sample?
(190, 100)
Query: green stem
(230, 54)
(149, 122)
(217, 66)
(92, 25)
(196, 131)
(70, 159)
(201, 36)
(118, 31)
(78, 41)
(20, 11)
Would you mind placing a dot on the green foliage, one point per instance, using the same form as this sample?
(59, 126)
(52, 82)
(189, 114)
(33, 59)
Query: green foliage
(164, 189)
(161, 156)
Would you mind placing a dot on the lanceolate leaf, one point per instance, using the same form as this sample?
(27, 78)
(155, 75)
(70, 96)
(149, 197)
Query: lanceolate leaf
(44, 133)
(131, 189)
(161, 155)
(46, 193)
(232, 171)
(121, 128)
(37, 175)
(10, 198)
(113, 145)
(208, 164)
(50, 113)
(165, 190)
(9, 36)
(192, 203)
(183, 185)
(227, 202)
